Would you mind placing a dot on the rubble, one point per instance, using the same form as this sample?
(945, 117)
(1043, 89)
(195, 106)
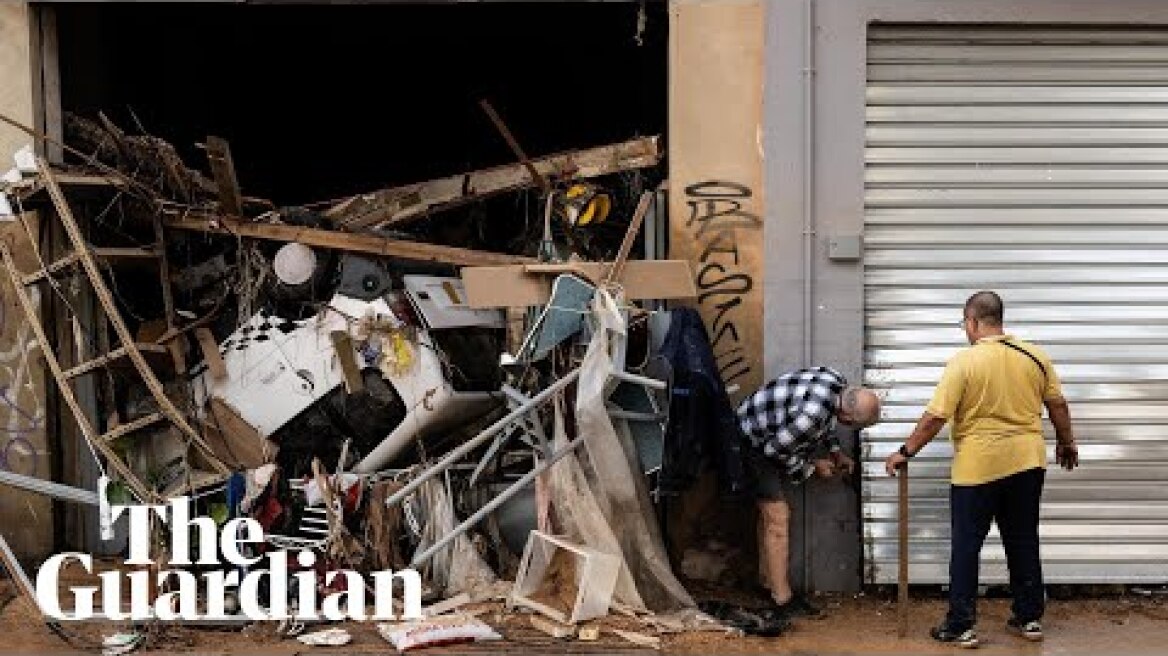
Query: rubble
(349, 383)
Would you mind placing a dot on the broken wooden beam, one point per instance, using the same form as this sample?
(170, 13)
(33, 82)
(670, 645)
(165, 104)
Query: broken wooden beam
(211, 354)
(345, 241)
(223, 170)
(552, 628)
(631, 233)
(347, 356)
(401, 204)
(521, 286)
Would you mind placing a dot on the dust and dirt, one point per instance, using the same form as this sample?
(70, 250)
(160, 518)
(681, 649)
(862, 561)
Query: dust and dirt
(853, 624)
(558, 589)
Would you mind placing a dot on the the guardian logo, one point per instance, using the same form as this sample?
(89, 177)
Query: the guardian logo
(180, 600)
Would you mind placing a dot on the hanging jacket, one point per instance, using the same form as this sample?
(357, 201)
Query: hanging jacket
(702, 424)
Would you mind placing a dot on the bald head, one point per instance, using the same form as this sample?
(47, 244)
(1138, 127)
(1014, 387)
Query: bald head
(859, 407)
(986, 308)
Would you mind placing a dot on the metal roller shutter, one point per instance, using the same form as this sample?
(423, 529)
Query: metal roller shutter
(1033, 162)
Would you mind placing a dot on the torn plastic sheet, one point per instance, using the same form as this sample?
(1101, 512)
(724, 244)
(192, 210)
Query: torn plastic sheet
(458, 567)
(612, 469)
(578, 515)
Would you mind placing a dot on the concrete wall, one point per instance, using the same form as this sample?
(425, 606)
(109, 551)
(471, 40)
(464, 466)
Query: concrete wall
(26, 520)
(827, 537)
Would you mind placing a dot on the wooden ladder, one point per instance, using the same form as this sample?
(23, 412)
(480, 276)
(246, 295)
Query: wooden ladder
(86, 257)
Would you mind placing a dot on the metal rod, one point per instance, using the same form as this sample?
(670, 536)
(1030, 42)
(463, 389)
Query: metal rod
(474, 442)
(48, 488)
(902, 576)
(639, 380)
(499, 500)
(628, 415)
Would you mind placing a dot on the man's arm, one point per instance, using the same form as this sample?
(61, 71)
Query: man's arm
(1066, 452)
(926, 429)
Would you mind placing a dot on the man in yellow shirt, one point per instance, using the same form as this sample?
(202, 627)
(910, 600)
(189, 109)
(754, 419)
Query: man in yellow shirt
(993, 392)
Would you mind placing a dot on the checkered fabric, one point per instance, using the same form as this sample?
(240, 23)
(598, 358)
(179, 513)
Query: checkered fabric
(790, 417)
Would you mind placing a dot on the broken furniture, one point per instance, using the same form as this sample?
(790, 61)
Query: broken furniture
(569, 583)
(550, 458)
(278, 368)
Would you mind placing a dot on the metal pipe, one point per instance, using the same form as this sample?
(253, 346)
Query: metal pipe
(499, 500)
(808, 228)
(48, 488)
(473, 443)
(627, 377)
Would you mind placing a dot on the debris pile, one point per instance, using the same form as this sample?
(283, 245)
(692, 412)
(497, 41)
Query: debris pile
(372, 389)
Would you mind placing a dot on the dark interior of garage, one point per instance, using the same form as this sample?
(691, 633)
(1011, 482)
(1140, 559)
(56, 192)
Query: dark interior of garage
(324, 101)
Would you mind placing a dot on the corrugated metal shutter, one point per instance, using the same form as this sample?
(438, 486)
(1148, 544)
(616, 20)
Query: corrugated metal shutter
(1033, 162)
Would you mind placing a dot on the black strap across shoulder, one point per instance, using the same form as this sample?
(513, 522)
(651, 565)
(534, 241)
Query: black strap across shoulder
(1027, 354)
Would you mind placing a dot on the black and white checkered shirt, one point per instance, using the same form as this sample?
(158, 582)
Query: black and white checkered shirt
(792, 416)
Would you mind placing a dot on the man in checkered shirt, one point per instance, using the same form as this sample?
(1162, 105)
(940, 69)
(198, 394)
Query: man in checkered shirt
(790, 425)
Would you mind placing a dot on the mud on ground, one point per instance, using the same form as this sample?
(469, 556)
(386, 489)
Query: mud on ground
(853, 624)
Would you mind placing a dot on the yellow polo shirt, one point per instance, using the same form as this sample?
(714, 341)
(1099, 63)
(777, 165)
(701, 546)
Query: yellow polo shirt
(993, 395)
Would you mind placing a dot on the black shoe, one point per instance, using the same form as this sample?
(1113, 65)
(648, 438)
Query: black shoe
(1031, 630)
(798, 606)
(751, 622)
(951, 635)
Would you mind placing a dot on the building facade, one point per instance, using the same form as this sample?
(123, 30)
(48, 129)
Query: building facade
(1015, 146)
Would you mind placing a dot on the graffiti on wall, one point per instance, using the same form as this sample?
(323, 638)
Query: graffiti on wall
(718, 223)
(21, 405)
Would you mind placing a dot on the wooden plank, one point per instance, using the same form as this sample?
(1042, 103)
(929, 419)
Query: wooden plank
(51, 83)
(639, 639)
(223, 170)
(401, 204)
(552, 628)
(163, 270)
(111, 357)
(902, 610)
(123, 254)
(513, 143)
(211, 354)
(232, 438)
(622, 254)
(108, 254)
(28, 189)
(345, 241)
(511, 286)
(343, 346)
(133, 426)
(24, 586)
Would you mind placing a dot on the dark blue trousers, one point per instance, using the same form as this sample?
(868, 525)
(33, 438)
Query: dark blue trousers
(1013, 503)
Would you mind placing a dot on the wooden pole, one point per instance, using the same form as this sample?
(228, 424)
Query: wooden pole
(514, 144)
(902, 577)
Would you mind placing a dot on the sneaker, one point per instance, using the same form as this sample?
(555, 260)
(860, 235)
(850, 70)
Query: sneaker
(798, 606)
(966, 638)
(1031, 630)
(751, 622)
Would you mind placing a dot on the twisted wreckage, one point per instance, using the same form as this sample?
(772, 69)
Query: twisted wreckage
(360, 382)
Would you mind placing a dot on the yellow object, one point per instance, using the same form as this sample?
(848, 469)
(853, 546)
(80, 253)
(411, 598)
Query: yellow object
(584, 204)
(993, 396)
(397, 356)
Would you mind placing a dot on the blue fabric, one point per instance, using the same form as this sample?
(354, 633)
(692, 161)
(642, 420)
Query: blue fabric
(1012, 502)
(236, 488)
(702, 423)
